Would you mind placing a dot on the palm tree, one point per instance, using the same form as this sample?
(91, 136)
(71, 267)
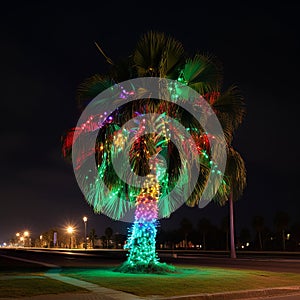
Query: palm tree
(186, 227)
(92, 237)
(108, 234)
(230, 109)
(229, 106)
(259, 224)
(204, 225)
(281, 221)
(236, 176)
(156, 55)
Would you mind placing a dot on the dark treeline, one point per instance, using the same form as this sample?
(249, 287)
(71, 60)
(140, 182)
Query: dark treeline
(283, 236)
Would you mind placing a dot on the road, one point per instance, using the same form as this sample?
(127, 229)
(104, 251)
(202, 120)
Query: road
(114, 257)
(26, 258)
(265, 264)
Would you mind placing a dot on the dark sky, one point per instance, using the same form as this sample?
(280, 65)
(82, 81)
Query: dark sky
(48, 48)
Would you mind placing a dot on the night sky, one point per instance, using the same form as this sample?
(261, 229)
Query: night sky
(47, 50)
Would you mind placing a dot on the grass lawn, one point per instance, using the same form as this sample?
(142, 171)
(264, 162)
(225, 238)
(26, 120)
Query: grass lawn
(20, 279)
(189, 280)
(28, 284)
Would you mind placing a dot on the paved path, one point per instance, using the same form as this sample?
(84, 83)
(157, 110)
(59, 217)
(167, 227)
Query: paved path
(103, 293)
(95, 291)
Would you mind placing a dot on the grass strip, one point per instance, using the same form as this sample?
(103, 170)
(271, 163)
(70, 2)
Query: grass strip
(26, 285)
(189, 280)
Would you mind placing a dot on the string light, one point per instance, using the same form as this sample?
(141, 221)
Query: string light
(141, 243)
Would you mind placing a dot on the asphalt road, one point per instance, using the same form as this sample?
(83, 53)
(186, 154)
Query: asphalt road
(265, 264)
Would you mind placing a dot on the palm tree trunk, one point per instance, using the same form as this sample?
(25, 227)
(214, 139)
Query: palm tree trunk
(231, 216)
(142, 239)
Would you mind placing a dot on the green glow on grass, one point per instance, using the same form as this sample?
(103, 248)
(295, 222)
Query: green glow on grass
(187, 280)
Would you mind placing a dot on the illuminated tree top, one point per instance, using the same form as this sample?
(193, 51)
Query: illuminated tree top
(156, 55)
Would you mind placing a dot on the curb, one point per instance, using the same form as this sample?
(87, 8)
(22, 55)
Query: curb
(103, 295)
(245, 294)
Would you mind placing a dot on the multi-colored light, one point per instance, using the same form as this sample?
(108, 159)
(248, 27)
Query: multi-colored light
(141, 242)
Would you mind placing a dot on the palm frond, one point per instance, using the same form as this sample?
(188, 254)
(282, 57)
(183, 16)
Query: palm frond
(235, 173)
(102, 52)
(201, 73)
(90, 88)
(122, 70)
(157, 55)
(229, 107)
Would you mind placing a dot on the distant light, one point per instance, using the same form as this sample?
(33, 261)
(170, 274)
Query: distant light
(84, 219)
(288, 236)
(17, 234)
(26, 233)
(70, 229)
(247, 244)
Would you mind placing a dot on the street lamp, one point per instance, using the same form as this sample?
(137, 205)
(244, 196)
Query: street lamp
(85, 239)
(70, 230)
